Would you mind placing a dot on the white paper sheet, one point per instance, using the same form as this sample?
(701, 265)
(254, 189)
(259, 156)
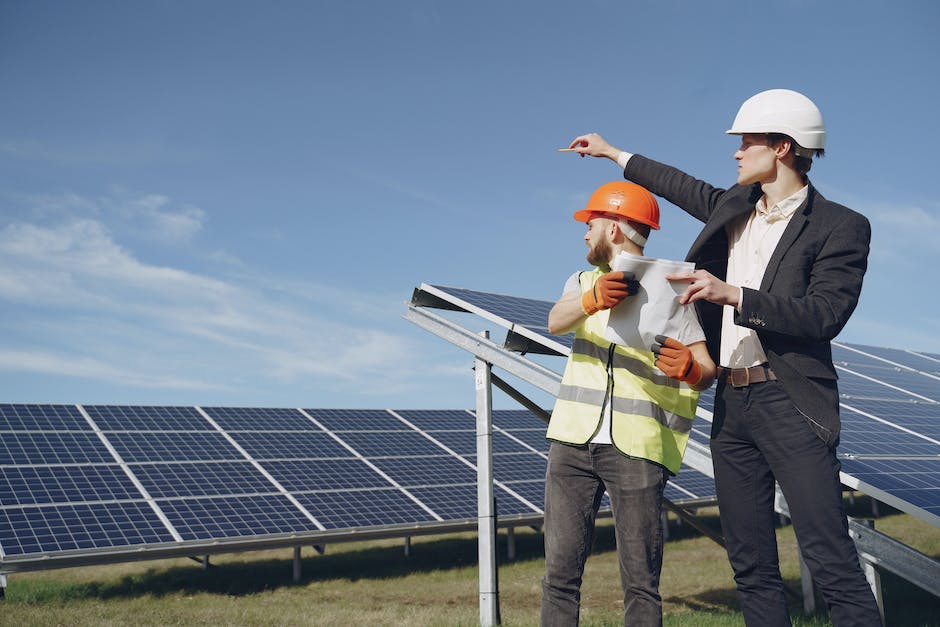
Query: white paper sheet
(654, 309)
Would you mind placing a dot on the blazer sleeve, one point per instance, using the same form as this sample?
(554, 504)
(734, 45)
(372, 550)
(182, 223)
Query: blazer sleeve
(695, 197)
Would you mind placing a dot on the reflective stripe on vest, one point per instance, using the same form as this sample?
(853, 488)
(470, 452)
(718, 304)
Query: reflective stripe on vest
(651, 413)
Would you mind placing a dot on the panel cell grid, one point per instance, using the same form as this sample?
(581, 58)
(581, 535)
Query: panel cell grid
(33, 485)
(425, 471)
(438, 419)
(371, 444)
(167, 446)
(41, 418)
(519, 467)
(511, 419)
(338, 420)
(234, 517)
(290, 445)
(365, 508)
(70, 527)
(260, 419)
(315, 475)
(52, 448)
(202, 479)
(125, 418)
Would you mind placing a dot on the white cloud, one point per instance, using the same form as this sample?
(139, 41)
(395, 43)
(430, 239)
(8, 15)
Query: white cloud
(82, 305)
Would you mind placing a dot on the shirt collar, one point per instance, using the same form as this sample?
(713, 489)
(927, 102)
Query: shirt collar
(784, 209)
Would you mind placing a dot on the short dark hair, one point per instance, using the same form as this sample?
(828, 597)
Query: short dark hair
(802, 164)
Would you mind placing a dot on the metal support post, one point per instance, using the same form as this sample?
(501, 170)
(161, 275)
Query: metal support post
(407, 546)
(872, 574)
(3, 587)
(511, 543)
(296, 564)
(486, 506)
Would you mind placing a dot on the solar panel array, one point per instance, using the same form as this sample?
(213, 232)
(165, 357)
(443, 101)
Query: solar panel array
(82, 480)
(890, 404)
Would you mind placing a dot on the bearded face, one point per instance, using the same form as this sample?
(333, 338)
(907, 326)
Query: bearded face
(599, 248)
(599, 253)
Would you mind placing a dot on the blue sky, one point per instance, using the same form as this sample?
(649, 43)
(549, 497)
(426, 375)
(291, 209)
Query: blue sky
(229, 203)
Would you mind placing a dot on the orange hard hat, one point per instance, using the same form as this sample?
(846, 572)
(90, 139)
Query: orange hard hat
(624, 200)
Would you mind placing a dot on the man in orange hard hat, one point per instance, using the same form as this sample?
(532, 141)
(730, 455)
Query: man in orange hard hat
(779, 274)
(621, 419)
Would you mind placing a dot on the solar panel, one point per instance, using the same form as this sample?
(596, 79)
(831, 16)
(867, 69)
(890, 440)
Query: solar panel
(259, 419)
(890, 405)
(235, 517)
(363, 508)
(41, 447)
(50, 529)
(34, 485)
(171, 480)
(125, 418)
(41, 418)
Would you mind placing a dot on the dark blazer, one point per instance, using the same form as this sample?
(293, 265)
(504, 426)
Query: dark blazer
(809, 290)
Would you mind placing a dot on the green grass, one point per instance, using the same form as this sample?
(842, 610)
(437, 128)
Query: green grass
(374, 583)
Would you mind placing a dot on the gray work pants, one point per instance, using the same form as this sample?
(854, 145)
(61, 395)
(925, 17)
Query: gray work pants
(574, 485)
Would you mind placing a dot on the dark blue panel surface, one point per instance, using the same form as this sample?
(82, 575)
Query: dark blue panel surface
(420, 471)
(182, 446)
(510, 419)
(916, 481)
(52, 448)
(391, 444)
(31, 485)
(289, 445)
(518, 467)
(202, 479)
(70, 527)
(260, 419)
(234, 517)
(532, 491)
(863, 436)
(452, 502)
(41, 418)
(528, 312)
(144, 418)
(307, 475)
(438, 419)
(358, 420)
(534, 438)
(363, 508)
(690, 484)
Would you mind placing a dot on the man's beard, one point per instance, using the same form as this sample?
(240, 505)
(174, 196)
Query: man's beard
(599, 254)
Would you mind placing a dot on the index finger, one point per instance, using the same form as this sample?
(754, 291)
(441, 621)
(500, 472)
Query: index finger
(578, 142)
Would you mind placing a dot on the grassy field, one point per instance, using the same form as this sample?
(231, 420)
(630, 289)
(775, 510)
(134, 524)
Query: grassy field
(374, 583)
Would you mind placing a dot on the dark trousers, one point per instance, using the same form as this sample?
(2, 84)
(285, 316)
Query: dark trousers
(759, 436)
(574, 484)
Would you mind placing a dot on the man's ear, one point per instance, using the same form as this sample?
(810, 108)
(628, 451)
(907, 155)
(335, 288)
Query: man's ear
(614, 232)
(784, 146)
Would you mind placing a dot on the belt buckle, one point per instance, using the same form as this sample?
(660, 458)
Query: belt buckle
(739, 381)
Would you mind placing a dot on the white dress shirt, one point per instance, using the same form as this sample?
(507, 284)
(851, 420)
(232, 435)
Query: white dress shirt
(751, 242)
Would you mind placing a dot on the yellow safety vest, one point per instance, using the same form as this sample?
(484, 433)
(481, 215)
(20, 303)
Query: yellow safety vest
(651, 412)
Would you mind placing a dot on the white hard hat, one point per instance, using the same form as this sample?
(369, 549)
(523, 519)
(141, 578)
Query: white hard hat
(783, 111)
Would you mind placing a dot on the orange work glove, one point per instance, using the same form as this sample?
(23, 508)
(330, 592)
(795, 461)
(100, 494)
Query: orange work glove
(675, 359)
(608, 290)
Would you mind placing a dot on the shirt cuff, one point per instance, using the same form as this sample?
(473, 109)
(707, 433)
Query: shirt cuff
(740, 299)
(623, 157)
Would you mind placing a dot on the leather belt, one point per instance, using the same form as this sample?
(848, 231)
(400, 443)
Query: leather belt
(743, 377)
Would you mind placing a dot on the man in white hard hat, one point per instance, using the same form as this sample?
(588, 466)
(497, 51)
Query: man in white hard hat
(779, 272)
(621, 420)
